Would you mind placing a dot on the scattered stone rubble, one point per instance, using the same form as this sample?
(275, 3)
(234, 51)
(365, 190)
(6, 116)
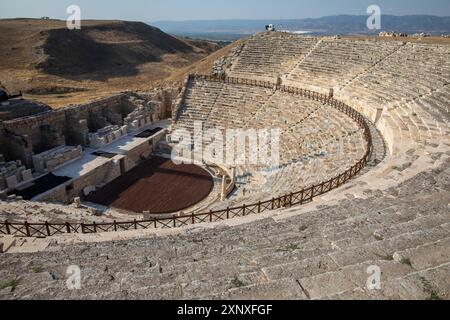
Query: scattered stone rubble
(223, 64)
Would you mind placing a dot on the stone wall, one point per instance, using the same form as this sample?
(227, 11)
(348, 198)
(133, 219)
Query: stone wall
(15, 146)
(95, 115)
(137, 155)
(13, 174)
(66, 192)
(106, 135)
(33, 134)
(102, 174)
(22, 138)
(18, 108)
(57, 195)
(54, 158)
(142, 152)
(145, 112)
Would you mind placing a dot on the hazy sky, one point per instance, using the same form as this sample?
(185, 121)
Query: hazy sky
(153, 10)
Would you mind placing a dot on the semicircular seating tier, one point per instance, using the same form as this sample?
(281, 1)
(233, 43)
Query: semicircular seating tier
(400, 86)
(317, 142)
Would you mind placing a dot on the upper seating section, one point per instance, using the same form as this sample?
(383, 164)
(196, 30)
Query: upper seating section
(401, 86)
(375, 71)
(334, 62)
(269, 55)
(216, 104)
(413, 71)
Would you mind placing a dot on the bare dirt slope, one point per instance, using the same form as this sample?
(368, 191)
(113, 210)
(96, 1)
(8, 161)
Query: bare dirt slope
(57, 66)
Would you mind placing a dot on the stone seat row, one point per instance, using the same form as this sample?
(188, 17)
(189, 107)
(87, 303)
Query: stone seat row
(386, 74)
(414, 76)
(271, 56)
(293, 176)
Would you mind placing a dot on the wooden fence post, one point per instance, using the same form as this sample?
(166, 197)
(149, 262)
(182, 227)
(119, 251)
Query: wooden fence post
(8, 230)
(47, 227)
(27, 228)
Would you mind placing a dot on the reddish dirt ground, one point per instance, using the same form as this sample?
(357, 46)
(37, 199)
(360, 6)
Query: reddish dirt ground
(158, 186)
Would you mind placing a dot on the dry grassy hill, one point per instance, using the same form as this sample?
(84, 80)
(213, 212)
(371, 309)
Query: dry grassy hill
(57, 66)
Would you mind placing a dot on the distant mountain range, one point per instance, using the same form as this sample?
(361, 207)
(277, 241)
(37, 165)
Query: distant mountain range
(341, 24)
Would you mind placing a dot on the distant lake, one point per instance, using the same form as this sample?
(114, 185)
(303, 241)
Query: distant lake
(226, 36)
(299, 32)
(222, 30)
(231, 30)
(214, 36)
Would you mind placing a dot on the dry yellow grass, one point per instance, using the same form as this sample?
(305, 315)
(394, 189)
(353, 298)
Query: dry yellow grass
(22, 49)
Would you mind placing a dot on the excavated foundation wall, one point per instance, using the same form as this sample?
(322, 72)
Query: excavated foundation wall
(74, 188)
(23, 137)
(102, 174)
